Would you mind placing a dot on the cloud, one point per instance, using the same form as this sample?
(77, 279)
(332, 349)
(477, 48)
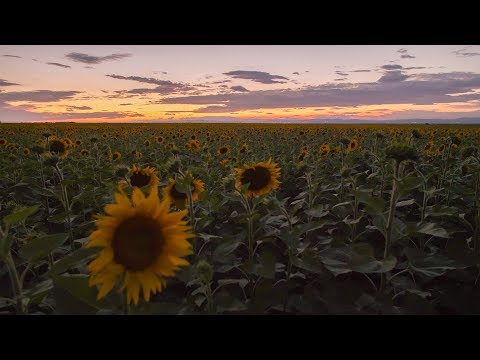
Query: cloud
(340, 79)
(164, 86)
(391, 76)
(402, 50)
(419, 89)
(90, 59)
(72, 108)
(392, 67)
(296, 73)
(466, 53)
(361, 70)
(58, 64)
(406, 56)
(7, 83)
(341, 73)
(239, 88)
(35, 59)
(257, 76)
(89, 67)
(414, 68)
(125, 104)
(37, 96)
(12, 56)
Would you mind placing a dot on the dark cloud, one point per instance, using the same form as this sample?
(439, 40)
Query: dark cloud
(340, 79)
(393, 76)
(257, 76)
(13, 56)
(7, 83)
(89, 67)
(90, 59)
(414, 68)
(35, 59)
(361, 70)
(37, 95)
(125, 104)
(402, 50)
(58, 64)
(392, 67)
(419, 89)
(296, 73)
(141, 79)
(341, 73)
(221, 81)
(239, 88)
(406, 56)
(73, 108)
(466, 53)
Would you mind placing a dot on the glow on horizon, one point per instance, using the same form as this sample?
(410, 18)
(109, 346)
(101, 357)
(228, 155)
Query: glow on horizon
(145, 83)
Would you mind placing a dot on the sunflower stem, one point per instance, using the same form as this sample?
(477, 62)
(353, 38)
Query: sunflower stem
(66, 203)
(16, 284)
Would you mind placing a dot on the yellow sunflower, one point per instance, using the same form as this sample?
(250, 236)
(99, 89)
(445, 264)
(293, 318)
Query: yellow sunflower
(223, 150)
(353, 145)
(116, 155)
(143, 176)
(171, 193)
(160, 139)
(84, 152)
(428, 147)
(193, 145)
(324, 149)
(3, 142)
(261, 177)
(142, 244)
(26, 152)
(59, 147)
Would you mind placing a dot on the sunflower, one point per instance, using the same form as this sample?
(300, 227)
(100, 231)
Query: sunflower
(143, 176)
(353, 145)
(67, 141)
(223, 150)
(160, 139)
(428, 147)
(193, 145)
(142, 244)
(303, 153)
(3, 142)
(180, 199)
(261, 177)
(58, 147)
(116, 155)
(324, 149)
(244, 148)
(84, 152)
(146, 142)
(26, 152)
(454, 147)
(78, 142)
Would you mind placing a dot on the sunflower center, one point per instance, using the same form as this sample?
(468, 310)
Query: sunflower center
(57, 146)
(139, 179)
(137, 242)
(258, 177)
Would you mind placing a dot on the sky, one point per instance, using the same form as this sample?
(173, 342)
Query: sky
(100, 83)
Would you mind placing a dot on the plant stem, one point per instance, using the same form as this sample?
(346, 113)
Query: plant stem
(17, 285)
(391, 211)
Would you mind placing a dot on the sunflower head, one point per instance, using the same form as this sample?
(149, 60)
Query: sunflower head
(38, 149)
(141, 177)
(116, 156)
(353, 145)
(193, 145)
(58, 147)
(261, 177)
(3, 142)
(428, 147)
(223, 150)
(142, 244)
(179, 199)
(84, 152)
(401, 152)
(325, 150)
(244, 149)
(160, 139)
(26, 152)
(78, 142)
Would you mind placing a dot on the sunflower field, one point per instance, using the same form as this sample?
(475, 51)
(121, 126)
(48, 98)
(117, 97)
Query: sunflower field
(239, 219)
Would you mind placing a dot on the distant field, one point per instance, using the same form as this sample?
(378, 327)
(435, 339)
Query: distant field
(302, 219)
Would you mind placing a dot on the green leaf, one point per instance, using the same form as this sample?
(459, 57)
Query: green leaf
(76, 258)
(309, 262)
(20, 215)
(431, 265)
(266, 268)
(40, 247)
(38, 291)
(432, 229)
(241, 282)
(375, 205)
(409, 183)
(77, 286)
(5, 245)
(345, 259)
(405, 203)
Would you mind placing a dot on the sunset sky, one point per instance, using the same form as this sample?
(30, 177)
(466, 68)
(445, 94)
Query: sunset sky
(271, 83)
